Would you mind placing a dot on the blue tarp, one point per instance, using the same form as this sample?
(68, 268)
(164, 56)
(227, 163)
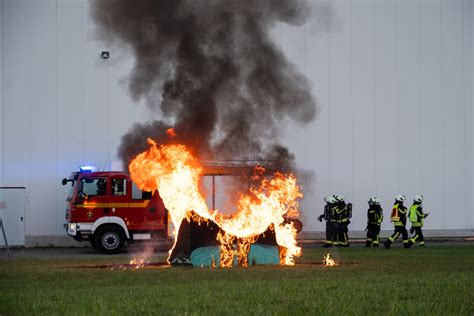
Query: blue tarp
(258, 254)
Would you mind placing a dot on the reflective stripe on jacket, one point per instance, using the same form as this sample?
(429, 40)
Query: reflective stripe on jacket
(374, 215)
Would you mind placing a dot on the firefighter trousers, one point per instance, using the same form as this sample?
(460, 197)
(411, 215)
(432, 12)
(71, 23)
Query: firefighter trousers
(418, 236)
(342, 236)
(373, 235)
(330, 233)
(399, 230)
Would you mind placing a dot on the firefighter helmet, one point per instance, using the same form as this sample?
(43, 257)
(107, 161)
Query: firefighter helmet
(418, 198)
(327, 199)
(400, 198)
(374, 200)
(330, 199)
(338, 198)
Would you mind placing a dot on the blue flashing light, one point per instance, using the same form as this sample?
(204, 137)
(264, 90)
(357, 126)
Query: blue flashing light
(86, 168)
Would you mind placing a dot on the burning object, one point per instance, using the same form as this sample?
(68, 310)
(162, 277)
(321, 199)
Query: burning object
(328, 261)
(175, 173)
(138, 263)
(202, 243)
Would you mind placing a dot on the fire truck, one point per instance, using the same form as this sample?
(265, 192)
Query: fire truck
(108, 209)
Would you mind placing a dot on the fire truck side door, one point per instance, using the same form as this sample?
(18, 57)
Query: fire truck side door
(119, 197)
(145, 212)
(95, 191)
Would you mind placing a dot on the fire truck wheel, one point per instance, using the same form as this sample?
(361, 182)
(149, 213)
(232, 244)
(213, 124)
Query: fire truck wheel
(109, 239)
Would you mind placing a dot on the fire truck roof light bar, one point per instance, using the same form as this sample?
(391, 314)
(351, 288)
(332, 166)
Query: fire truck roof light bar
(86, 168)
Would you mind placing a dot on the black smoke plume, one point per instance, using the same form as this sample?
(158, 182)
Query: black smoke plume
(212, 71)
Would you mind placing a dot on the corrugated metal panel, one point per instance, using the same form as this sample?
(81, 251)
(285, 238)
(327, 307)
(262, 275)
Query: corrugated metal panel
(70, 97)
(431, 97)
(43, 133)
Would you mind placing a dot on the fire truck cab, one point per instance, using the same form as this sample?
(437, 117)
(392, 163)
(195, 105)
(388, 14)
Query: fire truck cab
(108, 209)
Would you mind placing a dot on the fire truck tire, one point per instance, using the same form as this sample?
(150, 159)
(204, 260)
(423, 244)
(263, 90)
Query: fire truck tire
(109, 239)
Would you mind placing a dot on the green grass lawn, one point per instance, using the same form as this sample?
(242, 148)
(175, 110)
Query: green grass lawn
(436, 280)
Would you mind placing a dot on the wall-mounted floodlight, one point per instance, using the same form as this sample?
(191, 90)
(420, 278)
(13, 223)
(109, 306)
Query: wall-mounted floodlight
(105, 55)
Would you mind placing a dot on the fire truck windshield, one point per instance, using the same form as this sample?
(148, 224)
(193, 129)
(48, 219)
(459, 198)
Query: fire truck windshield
(70, 193)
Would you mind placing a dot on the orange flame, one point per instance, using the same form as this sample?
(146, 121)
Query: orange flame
(175, 173)
(227, 252)
(171, 133)
(137, 263)
(328, 261)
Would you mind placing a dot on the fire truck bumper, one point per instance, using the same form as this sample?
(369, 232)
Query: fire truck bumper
(71, 229)
(78, 230)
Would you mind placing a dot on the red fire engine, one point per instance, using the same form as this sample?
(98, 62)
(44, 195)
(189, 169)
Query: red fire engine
(107, 209)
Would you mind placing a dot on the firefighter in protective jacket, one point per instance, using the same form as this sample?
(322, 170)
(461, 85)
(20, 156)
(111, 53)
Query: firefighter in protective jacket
(343, 213)
(399, 219)
(416, 218)
(374, 222)
(330, 219)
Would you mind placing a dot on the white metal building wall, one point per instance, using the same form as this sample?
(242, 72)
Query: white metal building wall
(394, 80)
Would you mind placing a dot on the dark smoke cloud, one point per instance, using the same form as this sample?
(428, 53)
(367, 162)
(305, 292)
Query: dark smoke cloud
(210, 69)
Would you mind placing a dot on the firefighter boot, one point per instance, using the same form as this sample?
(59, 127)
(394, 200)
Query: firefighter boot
(368, 243)
(375, 243)
(387, 244)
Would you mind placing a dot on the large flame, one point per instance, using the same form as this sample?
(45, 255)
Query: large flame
(175, 173)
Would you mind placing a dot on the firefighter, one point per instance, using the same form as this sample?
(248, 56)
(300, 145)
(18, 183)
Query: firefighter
(343, 213)
(374, 221)
(329, 217)
(399, 219)
(416, 218)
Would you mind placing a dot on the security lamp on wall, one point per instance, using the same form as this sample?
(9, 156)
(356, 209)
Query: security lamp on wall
(105, 55)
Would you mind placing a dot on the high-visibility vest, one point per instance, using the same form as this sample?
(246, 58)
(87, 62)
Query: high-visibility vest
(416, 215)
(395, 217)
(399, 215)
